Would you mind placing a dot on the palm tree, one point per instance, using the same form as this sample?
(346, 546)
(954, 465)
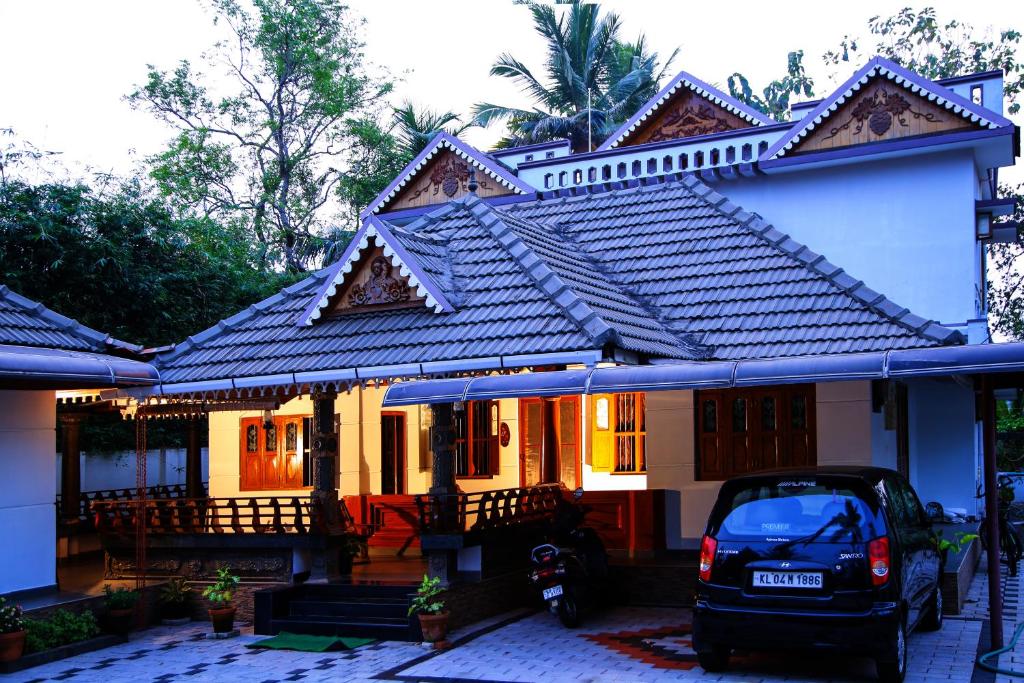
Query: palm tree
(414, 129)
(590, 74)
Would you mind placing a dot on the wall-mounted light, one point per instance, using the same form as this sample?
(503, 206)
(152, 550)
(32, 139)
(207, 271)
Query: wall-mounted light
(601, 413)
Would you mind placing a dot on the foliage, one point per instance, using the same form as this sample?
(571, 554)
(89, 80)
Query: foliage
(960, 539)
(1006, 282)
(222, 591)
(353, 545)
(415, 128)
(176, 591)
(120, 261)
(60, 628)
(11, 620)
(120, 597)
(774, 98)
(262, 157)
(918, 40)
(427, 599)
(593, 79)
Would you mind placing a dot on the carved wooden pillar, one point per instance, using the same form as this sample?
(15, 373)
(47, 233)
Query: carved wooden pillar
(193, 462)
(442, 562)
(70, 469)
(325, 561)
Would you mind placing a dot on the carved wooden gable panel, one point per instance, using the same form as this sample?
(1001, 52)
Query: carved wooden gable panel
(375, 284)
(445, 177)
(687, 114)
(881, 111)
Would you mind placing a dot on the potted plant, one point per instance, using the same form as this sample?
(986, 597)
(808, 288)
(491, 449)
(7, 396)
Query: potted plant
(351, 547)
(175, 600)
(433, 616)
(12, 632)
(120, 603)
(221, 593)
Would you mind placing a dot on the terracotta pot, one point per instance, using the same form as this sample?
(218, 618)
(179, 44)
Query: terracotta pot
(119, 621)
(434, 626)
(223, 619)
(11, 645)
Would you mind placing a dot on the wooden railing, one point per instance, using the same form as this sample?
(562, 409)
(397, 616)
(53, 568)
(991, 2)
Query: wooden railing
(210, 515)
(87, 498)
(487, 510)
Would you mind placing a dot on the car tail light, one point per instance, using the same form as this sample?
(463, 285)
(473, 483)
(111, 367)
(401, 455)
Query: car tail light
(878, 558)
(708, 546)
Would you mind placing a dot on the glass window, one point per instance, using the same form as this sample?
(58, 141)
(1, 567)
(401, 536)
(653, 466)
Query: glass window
(709, 423)
(739, 415)
(630, 433)
(768, 413)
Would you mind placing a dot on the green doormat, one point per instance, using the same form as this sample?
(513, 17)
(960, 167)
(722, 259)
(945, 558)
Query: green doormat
(304, 643)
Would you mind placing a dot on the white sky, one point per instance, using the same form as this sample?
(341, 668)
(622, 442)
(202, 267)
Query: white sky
(67, 63)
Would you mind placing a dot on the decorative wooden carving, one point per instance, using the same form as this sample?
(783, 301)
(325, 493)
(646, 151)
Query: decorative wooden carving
(881, 111)
(686, 115)
(375, 284)
(446, 177)
(381, 288)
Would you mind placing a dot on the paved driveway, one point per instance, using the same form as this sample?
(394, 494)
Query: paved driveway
(627, 644)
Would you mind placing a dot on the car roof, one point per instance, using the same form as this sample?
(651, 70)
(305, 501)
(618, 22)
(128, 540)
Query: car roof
(868, 474)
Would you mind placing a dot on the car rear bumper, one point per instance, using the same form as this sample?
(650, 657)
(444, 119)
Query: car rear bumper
(864, 633)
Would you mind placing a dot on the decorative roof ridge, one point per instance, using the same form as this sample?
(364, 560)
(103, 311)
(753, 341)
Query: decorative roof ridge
(838, 277)
(549, 282)
(691, 82)
(686, 340)
(377, 231)
(196, 340)
(879, 66)
(66, 324)
(443, 141)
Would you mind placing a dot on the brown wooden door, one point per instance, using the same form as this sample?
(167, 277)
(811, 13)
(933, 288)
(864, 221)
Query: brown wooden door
(290, 439)
(250, 467)
(392, 453)
(549, 439)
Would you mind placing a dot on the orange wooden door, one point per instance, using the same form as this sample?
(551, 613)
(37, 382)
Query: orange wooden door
(290, 440)
(250, 466)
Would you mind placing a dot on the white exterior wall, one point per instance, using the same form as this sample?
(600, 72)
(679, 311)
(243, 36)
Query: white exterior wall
(28, 524)
(904, 226)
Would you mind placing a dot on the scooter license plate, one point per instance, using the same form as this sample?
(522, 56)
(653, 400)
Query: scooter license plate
(552, 593)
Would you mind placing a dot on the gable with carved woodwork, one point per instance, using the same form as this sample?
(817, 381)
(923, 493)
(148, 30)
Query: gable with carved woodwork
(376, 283)
(881, 111)
(446, 177)
(686, 115)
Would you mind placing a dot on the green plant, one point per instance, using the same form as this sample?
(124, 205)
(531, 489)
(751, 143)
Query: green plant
(353, 545)
(223, 590)
(10, 617)
(120, 597)
(426, 600)
(960, 539)
(60, 628)
(177, 591)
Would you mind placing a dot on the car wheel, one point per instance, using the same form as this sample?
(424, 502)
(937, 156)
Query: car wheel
(714, 660)
(933, 618)
(568, 610)
(893, 667)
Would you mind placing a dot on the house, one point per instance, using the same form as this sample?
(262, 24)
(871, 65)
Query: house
(710, 292)
(43, 353)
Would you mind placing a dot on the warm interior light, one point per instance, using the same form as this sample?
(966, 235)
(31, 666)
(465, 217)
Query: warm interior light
(601, 412)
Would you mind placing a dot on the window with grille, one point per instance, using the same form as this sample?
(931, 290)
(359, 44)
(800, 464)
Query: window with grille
(619, 429)
(476, 440)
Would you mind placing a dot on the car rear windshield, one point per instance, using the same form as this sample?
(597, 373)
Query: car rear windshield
(805, 509)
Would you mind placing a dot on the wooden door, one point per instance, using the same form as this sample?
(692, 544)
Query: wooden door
(392, 453)
(531, 440)
(549, 429)
(250, 467)
(290, 438)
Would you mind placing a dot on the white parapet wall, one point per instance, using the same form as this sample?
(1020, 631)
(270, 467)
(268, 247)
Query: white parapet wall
(27, 514)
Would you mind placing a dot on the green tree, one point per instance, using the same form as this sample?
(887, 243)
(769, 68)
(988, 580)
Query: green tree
(594, 81)
(415, 128)
(265, 154)
(774, 97)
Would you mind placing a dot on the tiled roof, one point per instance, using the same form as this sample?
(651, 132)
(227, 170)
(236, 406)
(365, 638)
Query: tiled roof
(24, 322)
(668, 268)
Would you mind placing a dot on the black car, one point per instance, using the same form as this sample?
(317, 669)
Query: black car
(842, 558)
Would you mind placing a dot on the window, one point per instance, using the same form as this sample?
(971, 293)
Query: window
(529, 157)
(746, 430)
(476, 439)
(275, 454)
(619, 428)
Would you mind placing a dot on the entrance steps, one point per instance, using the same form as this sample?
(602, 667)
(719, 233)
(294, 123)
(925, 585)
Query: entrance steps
(366, 610)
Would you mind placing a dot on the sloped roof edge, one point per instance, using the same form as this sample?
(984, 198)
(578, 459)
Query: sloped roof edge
(705, 90)
(488, 165)
(99, 340)
(879, 66)
(924, 328)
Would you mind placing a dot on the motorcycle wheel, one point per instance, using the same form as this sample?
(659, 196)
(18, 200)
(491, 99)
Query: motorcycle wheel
(568, 611)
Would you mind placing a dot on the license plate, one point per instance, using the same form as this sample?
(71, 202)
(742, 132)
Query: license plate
(552, 593)
(809, 580)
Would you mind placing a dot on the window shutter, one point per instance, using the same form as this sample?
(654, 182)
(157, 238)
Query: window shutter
(602, 433)
(493, 443)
